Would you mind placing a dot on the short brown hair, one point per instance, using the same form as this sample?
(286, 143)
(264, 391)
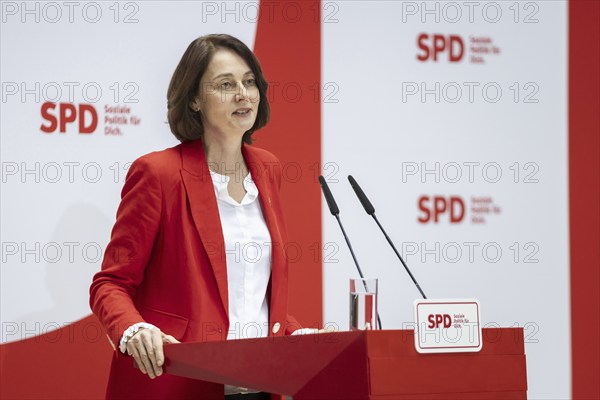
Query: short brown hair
(185, 123)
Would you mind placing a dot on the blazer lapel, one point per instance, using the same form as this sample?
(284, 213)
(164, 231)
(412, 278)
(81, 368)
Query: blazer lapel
(265, 185)
(260, 176)
(205, 211)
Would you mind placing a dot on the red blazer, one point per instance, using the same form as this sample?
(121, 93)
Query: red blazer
(165, 263)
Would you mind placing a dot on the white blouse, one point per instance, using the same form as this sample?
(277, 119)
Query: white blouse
(248, 256)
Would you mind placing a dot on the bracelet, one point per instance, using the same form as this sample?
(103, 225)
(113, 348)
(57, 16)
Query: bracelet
(132, 330)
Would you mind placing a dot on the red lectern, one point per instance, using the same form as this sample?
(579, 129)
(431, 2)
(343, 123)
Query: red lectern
(358, 365)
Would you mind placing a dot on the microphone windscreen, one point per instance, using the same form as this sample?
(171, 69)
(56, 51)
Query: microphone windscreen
(361, 196)
(333, 208)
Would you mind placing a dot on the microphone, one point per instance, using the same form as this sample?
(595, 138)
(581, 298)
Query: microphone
(371, 211)
(333, 208)
(335, 211)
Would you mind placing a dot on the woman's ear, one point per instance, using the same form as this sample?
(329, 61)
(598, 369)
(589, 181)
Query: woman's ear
(194, 105)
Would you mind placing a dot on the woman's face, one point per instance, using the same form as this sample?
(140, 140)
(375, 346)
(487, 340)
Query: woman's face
(228, 97)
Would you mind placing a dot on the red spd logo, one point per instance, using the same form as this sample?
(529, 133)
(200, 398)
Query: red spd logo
(58, 116)
(432, 46)
(435, 320)
(432, 207)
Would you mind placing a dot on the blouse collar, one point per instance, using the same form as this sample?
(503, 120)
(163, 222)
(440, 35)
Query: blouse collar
(220, 183)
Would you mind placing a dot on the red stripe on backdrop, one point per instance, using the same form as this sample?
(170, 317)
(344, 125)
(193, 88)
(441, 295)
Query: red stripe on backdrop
(584, 195)
(288, 45)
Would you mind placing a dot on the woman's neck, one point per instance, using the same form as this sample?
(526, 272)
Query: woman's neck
(224, 156)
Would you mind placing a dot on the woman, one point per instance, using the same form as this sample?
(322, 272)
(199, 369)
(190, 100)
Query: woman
(196, 253)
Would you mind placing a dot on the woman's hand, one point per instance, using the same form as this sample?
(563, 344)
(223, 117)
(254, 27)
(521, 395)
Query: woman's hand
(146, 347)
(309, 331)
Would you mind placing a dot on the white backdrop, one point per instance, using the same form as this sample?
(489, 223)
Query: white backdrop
(377, 130)
(56, 218)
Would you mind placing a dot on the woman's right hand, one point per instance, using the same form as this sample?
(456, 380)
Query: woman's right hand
(146, 347)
